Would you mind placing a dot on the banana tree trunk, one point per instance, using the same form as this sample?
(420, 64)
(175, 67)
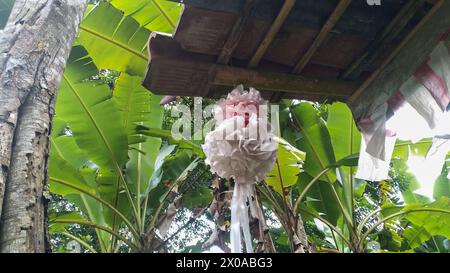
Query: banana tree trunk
(218, 208)
(299, 238)
(265, 242)
(34, 47)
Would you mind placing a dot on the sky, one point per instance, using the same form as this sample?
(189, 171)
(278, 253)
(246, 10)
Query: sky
(410, 126)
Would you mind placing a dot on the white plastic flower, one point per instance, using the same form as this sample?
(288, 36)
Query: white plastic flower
(239, 148)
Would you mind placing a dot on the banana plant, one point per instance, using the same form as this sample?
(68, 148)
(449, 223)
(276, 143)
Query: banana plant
(97, 160)
(116, 33)
(326, 188)
(122, 181)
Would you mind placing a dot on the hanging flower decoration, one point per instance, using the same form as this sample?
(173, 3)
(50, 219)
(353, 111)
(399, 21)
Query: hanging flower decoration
(241, 148)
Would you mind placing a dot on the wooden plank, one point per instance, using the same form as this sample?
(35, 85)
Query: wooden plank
(327, 27)
(174, 71)
(237, 32)
(274, 28)
(204, 31)
(362, 20)
(402, 62)
(383, 40)
(282, 82)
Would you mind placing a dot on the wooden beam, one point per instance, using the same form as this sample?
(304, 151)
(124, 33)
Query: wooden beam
(381, 43)
(327, 27)
(281, 82)
(237, 32)
(402, 62)
(177, 72)
(274, 28)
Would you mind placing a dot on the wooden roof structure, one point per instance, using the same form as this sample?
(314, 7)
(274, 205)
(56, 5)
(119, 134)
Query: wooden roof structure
(320, 50)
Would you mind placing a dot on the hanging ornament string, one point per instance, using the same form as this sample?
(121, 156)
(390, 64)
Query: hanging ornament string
(241, 147)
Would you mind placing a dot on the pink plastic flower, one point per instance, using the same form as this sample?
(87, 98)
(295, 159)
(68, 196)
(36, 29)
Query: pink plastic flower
(240, 103)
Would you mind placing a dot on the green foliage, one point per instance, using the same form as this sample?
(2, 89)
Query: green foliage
(345, 136)
(60, 240)
(167, 135)
(113, 40)
(437, 244)
(320, 198)
(346, 140)
(315, 141)
(287, 167)
(196, 189)
(5, 9)
(407, 183)
(351, 207)
(103, 159)
(427, 224)
(442, 185)
(197, 199)
(405, 149)
(138, 106)
(154, 15)
(87, 108)
(98, 161)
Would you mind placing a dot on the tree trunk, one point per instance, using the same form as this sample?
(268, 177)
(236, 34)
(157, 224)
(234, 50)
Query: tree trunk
(34, 46)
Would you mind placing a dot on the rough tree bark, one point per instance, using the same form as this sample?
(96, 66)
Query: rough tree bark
(34, 47)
